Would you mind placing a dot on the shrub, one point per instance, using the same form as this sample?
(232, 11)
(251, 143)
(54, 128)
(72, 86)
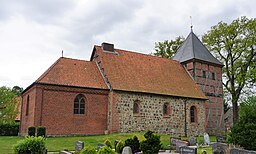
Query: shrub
(106, 150)
(30, 145)
(88, 150)
(134, 143)
(41, 131)
(108, 143)
(152, 144)
(9, 129)
(31, 131)
(119, 147)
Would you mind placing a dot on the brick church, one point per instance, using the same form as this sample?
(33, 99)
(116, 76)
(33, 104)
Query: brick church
(124, 91)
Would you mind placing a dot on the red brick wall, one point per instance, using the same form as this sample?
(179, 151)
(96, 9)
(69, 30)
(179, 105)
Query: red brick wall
(54, 110)
(113, 113)
(213, 89)
(28, 120)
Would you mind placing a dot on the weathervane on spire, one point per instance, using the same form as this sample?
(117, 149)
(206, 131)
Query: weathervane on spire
(191, 25)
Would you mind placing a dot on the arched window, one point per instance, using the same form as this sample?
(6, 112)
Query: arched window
(166, 109)
(136, 107)
(193, 114)
(79, 104)
(27, 106)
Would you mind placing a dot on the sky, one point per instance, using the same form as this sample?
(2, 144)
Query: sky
(33, 33)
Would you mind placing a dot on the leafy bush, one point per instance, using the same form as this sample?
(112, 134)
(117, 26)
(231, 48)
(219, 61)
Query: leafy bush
(108, 143)
(243, 132)
(9, 129)
(105, 150)
(152, 144)
(88, 150)
(31, 131)
(119, 147)
(134, 143)
(30, 145)
(41, 131)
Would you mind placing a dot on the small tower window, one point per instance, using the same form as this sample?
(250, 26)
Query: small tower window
(213, 76)
(204, 74)
(79, 104)
(136, 107)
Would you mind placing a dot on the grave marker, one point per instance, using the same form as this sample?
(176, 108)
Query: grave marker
(192, 140)
(206, 139)
(218, 147)
(187, 150)
(127, 150)
(79, 145)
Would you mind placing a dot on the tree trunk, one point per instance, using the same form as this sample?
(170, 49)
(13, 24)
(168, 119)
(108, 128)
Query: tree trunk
(235, 109)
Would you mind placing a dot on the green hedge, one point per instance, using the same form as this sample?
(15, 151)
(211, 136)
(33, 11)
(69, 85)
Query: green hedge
(9, 129)
(30, 145)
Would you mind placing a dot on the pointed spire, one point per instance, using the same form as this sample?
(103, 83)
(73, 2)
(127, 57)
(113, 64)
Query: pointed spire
(193, 48)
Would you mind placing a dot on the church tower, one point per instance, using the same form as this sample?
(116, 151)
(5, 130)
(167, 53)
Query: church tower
(205, 69)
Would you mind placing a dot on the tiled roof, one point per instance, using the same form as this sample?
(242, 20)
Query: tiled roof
(137, 72)
(73, 72)
(193, 48)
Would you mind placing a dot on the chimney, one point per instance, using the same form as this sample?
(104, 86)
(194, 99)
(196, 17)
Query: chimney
(107, 47)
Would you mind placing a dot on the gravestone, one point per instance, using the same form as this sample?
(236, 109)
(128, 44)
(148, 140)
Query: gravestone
(79, 145)
(174, 140)
(180, 143)
(220, 138)
(241, 151)
(187, 150)
(206, 139)
(127, 150)
(219, 148)
(100, 145)
(192, 140)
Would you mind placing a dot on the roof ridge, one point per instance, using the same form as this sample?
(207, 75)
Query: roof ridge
(75, 59)
(193, 48)
(149, 55)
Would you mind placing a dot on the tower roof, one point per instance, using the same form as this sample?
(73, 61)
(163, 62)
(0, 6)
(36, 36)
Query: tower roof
(193, 48)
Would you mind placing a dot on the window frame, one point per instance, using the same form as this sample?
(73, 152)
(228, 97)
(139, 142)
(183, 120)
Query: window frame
(80, 100)
(193, 114)
(136, 104)
(213, 76)
(203, 74)
(166, 109)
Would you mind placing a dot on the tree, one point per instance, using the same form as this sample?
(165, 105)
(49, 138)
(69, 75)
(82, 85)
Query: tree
(8, 105)
(167, 49)
(244, 131)
(17, 90)
(234, 45)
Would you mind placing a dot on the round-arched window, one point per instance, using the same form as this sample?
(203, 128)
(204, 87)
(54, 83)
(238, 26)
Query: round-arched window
(79, 104)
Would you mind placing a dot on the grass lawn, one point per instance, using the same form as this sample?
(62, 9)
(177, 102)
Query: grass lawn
(61, 143)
